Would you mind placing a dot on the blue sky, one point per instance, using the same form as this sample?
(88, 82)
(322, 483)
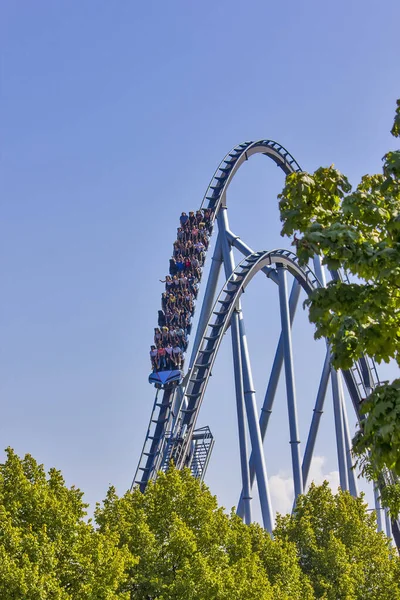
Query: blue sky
(114, 115)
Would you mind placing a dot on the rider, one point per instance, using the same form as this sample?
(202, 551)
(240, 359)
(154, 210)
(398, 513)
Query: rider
(169, 357)
(162, 358)
(154, 358)
(177, 353)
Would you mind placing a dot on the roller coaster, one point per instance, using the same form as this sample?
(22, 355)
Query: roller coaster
(173, 434)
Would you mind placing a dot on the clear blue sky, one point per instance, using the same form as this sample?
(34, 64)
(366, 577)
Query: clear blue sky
(114, 116)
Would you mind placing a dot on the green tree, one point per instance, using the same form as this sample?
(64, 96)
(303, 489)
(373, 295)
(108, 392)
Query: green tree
(47, 550)
(360, 231)
(189, 549)
(339, 548)
(174, 543)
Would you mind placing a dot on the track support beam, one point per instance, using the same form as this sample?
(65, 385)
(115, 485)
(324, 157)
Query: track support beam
(240, 408)
(249, 393)
(378, 508)
(347, 444)
(255, 433)
(316, 418)
(269, 398)
(290, 381)
(339, 429)
(209, 296)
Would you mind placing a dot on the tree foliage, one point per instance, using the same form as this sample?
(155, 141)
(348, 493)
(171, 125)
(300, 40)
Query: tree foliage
(339, 548)
(175, 543)
(47, 550)
(359, 231)
(189, 548)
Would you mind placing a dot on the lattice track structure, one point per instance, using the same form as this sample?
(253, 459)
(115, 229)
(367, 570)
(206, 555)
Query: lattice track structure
(172, 433)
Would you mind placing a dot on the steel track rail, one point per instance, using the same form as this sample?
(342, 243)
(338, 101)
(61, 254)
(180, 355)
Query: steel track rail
(226, 170)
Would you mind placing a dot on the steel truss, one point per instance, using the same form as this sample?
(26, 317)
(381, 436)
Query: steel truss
(172, 433)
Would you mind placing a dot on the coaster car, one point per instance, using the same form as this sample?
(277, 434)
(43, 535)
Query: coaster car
(165, 379)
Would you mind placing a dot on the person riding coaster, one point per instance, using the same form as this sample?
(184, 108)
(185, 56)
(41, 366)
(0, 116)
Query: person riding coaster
(178, 299)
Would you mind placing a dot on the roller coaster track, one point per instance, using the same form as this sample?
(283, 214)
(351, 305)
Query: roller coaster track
(156, 440)
(171, 433)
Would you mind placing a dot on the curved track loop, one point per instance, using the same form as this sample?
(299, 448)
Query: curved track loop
(218, 323)
(236, 157)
